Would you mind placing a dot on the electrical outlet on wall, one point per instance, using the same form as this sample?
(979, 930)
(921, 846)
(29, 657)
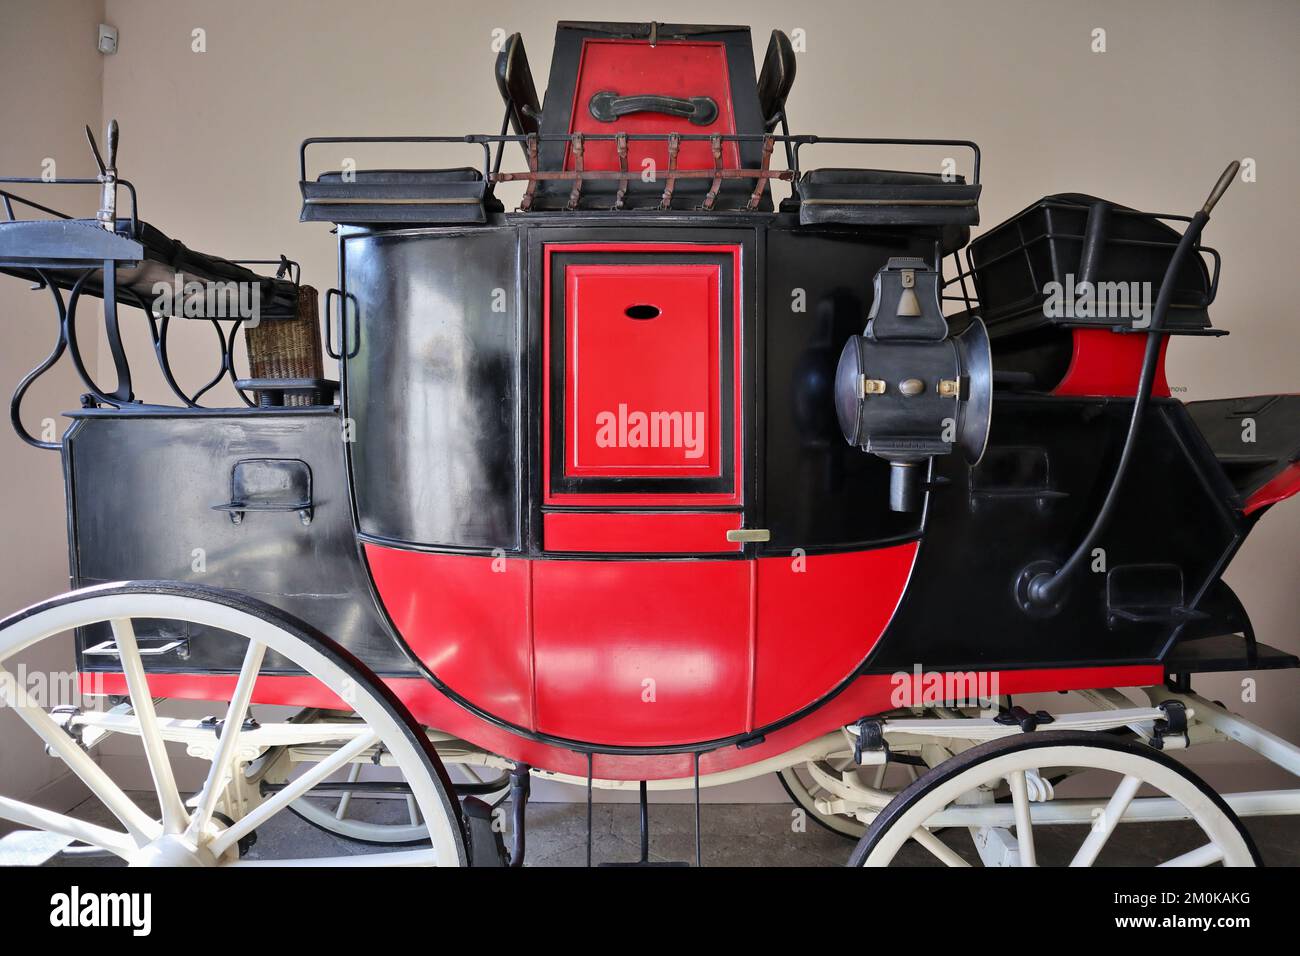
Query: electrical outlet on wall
(107, 43)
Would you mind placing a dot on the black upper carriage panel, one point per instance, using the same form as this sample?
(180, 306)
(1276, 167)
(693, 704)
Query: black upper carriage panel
(654, 149)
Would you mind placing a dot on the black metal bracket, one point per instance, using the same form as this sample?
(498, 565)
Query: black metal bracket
(1173, 725)
(1017, 716)
(870, 738)
(217, 724)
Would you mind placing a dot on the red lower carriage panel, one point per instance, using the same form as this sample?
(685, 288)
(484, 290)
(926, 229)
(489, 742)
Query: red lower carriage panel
(467, 618)
(818, 616)
(642, 653)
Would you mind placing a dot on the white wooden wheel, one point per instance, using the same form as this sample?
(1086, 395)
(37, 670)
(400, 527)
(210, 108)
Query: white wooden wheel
(800, 782)
(362, 817)
(207, 828)
(385, 819)
(962, 788)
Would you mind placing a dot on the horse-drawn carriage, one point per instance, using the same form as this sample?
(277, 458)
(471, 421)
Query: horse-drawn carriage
(654, 483)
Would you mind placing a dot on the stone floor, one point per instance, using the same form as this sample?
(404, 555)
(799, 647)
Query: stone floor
(736, 835)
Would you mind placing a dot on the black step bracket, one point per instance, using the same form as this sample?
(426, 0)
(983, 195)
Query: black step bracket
(1147, 594)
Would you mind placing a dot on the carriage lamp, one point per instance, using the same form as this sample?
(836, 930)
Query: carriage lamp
(907, 389)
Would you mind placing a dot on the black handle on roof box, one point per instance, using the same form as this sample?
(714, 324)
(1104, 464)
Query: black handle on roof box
(607, 106)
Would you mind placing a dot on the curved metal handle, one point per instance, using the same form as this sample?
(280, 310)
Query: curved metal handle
(343, 350)
(608, 106)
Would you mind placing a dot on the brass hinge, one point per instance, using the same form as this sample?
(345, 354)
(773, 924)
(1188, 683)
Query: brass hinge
(742, 535)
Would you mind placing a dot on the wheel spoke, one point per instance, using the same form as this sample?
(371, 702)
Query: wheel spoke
(174, 817)
(946, 854)
(1105, 825)
(1202, 856)
(40, 819)
(1024, 827)
(292, 791)
(224, 757)
(139, 825)
(412, 811)
(354, 774)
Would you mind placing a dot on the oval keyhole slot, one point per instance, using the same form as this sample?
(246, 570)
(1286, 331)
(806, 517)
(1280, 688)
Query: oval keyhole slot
(642, 311)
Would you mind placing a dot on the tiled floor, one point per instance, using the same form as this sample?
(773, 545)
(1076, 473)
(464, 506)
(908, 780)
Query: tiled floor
(741, 835)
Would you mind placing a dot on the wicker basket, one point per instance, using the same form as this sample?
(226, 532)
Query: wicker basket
(288, 349)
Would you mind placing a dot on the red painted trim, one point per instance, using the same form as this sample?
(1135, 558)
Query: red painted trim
(734, 497)
(866, 696)
(1278, 488)
(1110, 363)
(751, 701)
(531, 624)
(673, 532)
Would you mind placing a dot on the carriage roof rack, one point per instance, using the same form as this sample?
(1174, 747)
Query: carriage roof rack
(872, 203)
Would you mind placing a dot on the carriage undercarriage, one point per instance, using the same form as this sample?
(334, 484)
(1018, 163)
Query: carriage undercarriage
(851, 780)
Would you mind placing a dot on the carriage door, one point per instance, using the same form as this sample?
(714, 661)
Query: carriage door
(642, 465)
(643, 432)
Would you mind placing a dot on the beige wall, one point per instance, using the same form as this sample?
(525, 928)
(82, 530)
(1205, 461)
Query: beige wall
(1186, 85)
(51, 77)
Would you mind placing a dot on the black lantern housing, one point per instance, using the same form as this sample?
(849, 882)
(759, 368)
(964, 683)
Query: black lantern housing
(906, 389)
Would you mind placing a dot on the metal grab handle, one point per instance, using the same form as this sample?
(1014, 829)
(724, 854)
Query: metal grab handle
(269, 484)
(342, 351)
(608, 106)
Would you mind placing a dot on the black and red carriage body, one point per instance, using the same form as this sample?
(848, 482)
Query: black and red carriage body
(584, 501)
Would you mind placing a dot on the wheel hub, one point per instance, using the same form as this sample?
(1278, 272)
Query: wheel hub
(173, 849)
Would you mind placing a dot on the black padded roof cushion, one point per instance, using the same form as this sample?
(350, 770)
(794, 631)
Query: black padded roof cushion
(412, 177)
(875, 177)
(400, 196)
(889, 197)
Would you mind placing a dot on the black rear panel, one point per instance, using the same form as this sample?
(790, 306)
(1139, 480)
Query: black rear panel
(141, 491)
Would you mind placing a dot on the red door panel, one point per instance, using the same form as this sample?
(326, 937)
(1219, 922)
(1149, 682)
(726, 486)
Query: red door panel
(642, 371)
(642, 653)
(670, 68)
(818, 616)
